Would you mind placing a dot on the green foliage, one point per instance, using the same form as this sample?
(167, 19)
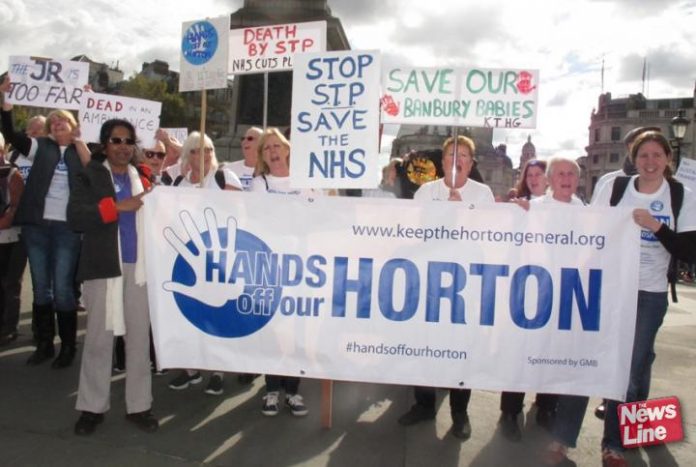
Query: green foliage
(156, 90)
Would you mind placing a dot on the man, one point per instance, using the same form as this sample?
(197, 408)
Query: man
(454, 186)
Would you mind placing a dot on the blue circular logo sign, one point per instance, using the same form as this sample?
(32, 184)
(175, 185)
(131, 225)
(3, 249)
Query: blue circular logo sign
(251, 309)
(657, 206)
(200, 42)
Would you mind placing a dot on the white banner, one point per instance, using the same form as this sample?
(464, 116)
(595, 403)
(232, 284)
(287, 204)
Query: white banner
(335, 120)
(179, 133)
(686, 173)
(203, 58)
(97, 108)
(271, 48)
(394, 291)
(480, 97)
(41, 82)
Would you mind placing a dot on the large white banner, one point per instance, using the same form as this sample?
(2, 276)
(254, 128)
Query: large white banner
(97, 108)
(480, 97)
(262, 49)
(335, 120)
(203, 59)
(41, 82)
(394, 291)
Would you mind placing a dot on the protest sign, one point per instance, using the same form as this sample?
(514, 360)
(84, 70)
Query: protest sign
(479, 97)
(271, 48)
(179, 133)
(394, 291)
(686, 173)
(43, 82)
(335, 120)
(98, 108)
(203, 59)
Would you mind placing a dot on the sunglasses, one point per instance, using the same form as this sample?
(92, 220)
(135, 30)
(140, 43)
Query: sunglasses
(117, 140)
(151, 154)
(248, 138)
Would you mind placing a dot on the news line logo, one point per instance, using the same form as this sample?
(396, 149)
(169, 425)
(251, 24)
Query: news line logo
(646, 423)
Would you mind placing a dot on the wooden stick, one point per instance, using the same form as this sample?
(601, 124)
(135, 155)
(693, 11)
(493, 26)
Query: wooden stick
(201, 148)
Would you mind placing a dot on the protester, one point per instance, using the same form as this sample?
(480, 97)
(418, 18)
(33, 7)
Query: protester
(668, 233)
(214, 176)
(388, 186)
(273, 169)
(533, 181)
(105, 206)
(52, 247)
(245, 168)
(12, 256)
(474, 194)
(153, 159)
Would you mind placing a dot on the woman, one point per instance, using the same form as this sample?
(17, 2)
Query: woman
(52, 247)
(533, 181)
(12, 256)
(653, 194)
(215, 177)
(153, 159)
(246, 167)
(105, 206)
(273, 169)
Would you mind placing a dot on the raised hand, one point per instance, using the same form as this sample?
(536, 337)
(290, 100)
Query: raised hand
(212, 293)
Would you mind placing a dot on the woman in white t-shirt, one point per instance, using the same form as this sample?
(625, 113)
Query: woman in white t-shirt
(273, 167)
(214, 176)
(649, 193)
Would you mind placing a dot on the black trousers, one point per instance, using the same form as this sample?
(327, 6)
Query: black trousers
(459, 399)
(512, 402)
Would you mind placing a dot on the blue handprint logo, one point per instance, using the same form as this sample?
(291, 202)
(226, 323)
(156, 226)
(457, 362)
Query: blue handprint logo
(213, 277)
(200, 42)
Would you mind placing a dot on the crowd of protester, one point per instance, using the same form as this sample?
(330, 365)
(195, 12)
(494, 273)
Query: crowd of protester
(75, 211)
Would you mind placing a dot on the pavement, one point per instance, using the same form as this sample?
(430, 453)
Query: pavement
(37, 417)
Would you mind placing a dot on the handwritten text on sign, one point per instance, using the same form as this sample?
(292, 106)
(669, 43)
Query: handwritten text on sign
(98, 108)
(271, 48)
(47, 83)
(335, 121)
(489, 98)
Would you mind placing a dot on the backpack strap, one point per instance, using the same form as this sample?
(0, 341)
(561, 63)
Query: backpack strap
(618, 189)
(220, 178)
(676, 197)
(265, 180)
(177, 180)
(165, 178)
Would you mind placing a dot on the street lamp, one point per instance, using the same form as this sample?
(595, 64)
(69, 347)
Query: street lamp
(679, 124)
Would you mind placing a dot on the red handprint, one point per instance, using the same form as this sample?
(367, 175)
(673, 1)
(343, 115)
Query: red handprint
(524, 84)
(389, 106)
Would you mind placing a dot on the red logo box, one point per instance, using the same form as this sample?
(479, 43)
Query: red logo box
(655, 421)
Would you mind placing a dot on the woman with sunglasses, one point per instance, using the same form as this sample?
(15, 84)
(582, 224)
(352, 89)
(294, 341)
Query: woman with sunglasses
(52, 247)
(246, 167)
(153, 159)
(105, 206)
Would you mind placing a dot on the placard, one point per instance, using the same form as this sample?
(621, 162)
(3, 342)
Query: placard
(203, 59)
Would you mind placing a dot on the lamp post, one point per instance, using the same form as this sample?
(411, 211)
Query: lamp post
(679, 124)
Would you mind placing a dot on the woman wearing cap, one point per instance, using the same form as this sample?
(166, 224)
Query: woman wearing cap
(52, 247)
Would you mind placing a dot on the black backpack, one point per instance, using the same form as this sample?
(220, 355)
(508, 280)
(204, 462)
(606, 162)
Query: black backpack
(166, 179)
(676, 197)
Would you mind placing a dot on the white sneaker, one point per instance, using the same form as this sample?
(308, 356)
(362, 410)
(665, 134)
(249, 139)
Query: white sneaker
(270, 404)
(296, 405)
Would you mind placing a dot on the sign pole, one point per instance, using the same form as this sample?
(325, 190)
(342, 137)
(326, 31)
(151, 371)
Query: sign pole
(201, 147)
(454, 156)
(265, 101)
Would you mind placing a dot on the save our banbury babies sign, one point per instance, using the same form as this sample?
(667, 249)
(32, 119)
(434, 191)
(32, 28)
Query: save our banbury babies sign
(480, 97)
(335, 120)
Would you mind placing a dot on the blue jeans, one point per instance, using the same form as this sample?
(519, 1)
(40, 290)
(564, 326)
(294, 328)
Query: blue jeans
(569, 415)
(652, 308)
(53, 250)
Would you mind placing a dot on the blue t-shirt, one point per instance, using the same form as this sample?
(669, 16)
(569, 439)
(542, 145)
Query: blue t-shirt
(126, 220)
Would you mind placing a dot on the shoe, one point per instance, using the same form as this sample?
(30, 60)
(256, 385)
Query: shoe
(87, 423)
(416, 414)
(160, 372)
(246, 378)
(555, 454)
(67, 330)
(600, 410)
(270, 404)
(144, 420)
(461, 428)
(8, 338)
(509, 427)
(612, 458)
(214, 387)
(44, 351)
(43, 322)
(296, 405)
(545, 418)
(183, 380)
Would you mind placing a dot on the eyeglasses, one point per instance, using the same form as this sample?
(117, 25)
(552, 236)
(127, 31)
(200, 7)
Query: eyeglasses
(248, 138)
(151, 154)
(117, 140)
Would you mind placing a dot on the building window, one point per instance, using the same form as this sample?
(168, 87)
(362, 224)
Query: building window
(615, 133)
(614, 157)
(596, 135)
(595, 159)
(594, 182)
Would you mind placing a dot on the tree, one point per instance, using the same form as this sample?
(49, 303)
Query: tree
(156, 90)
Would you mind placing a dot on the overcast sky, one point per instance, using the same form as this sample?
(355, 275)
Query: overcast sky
(565, 39)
